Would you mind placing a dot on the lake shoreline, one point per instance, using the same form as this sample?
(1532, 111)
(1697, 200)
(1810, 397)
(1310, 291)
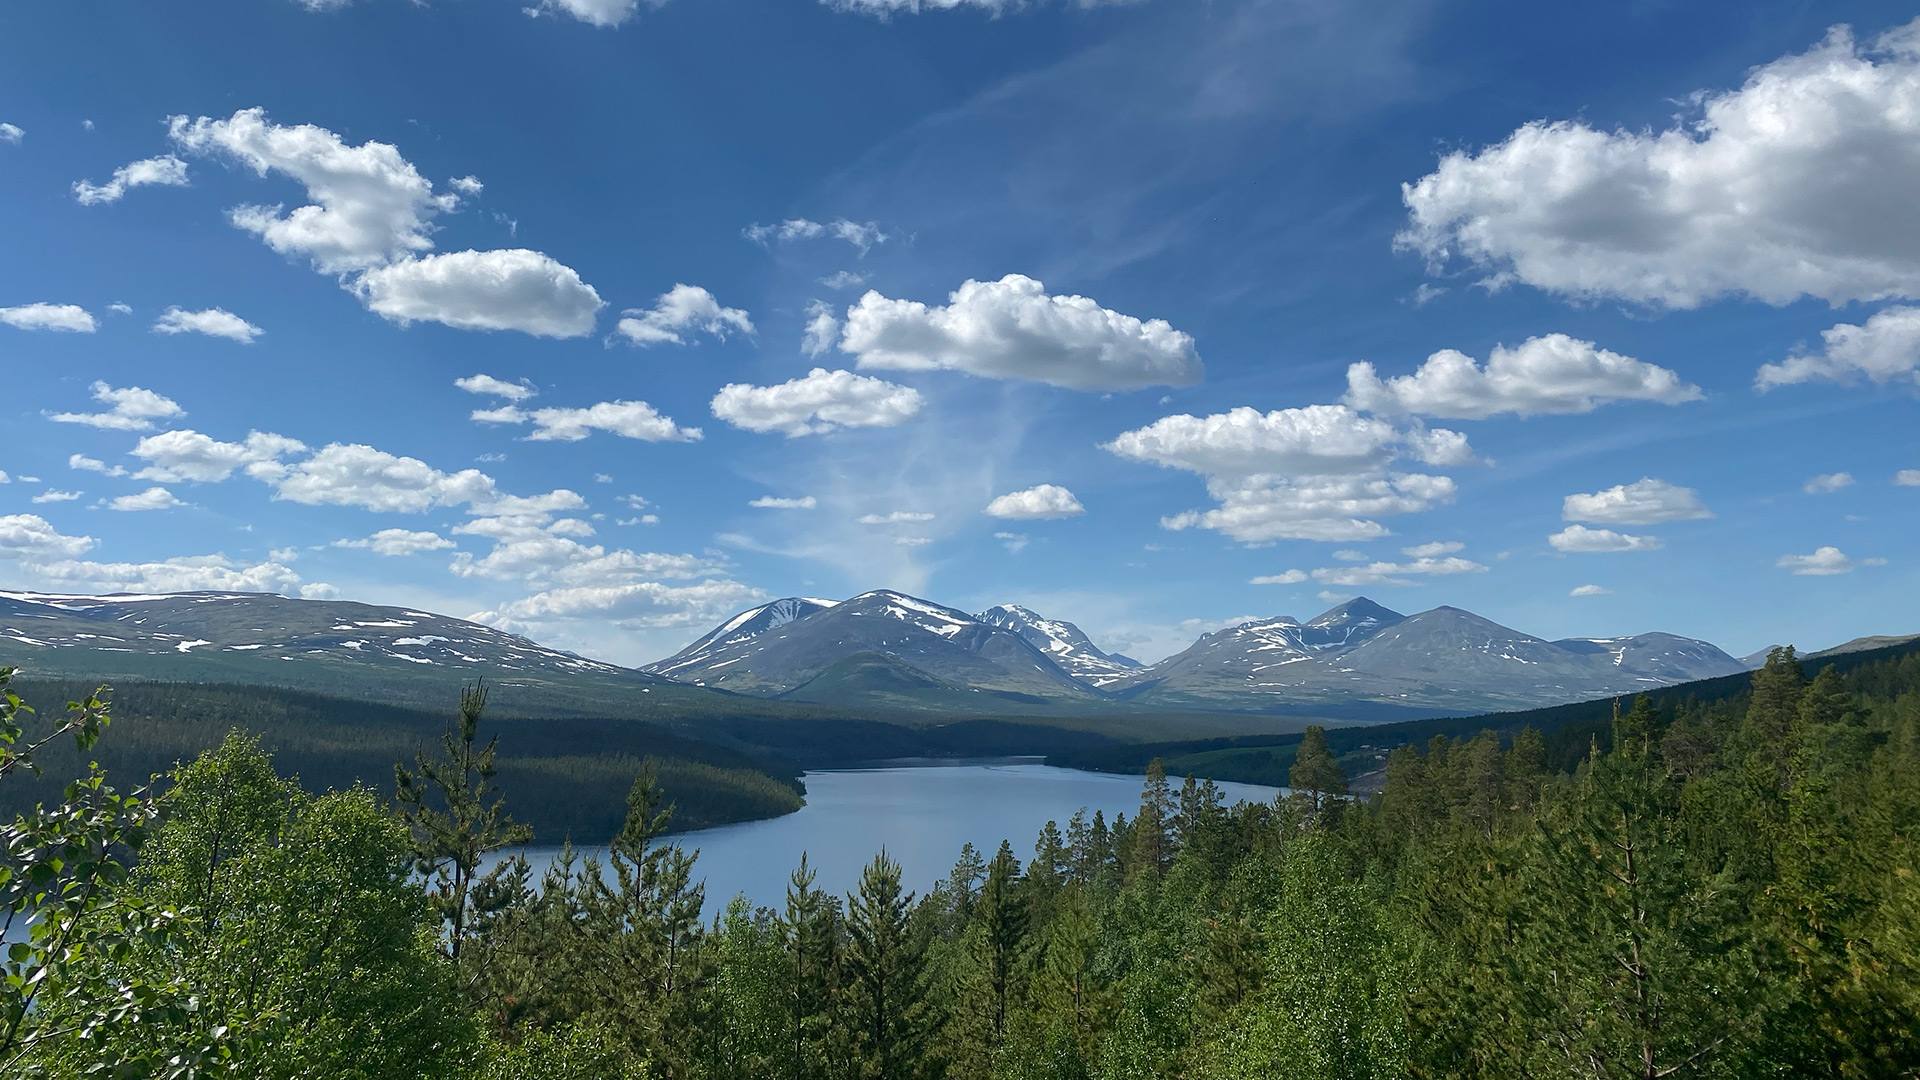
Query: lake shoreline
(920, 814)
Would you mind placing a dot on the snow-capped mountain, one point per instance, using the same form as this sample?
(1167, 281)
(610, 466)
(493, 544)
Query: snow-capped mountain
(732, 636)
(271, 627)
(1667, 657)
(882, 650)
(390, 654)
(1443, 659)
(1062, 642)
(948, 650)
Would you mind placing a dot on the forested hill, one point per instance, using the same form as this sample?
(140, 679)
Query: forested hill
(565, 776)
(1568, 730)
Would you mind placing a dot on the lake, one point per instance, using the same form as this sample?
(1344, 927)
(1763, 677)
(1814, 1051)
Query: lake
(920, 814)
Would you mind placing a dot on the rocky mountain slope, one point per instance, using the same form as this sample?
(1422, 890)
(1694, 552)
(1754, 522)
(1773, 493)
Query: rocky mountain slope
(950, 650)
(1063, 643)
(1358, 661)
(397, 655)
(1446, 658)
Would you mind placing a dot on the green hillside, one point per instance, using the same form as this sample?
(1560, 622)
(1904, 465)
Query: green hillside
(1570, 730)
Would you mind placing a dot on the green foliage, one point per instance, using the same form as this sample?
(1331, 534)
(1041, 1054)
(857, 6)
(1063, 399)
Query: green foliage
(301, 947)
(456, 818)
(63, 880)
(1715, 887)
(1315, 773)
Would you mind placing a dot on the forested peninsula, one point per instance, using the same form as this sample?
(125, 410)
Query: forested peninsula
(1713, 888)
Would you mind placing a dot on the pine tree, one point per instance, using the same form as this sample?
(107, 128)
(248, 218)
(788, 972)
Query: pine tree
(1003, 922)
(1150, 847)
(808, 937)
(1630, 963)
(884, 967)
(457, 818)
(1525, 768)
(1047, 873)
(1315, 772)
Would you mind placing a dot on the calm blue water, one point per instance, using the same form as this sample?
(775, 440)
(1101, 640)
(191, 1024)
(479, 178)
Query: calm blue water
(921, 815)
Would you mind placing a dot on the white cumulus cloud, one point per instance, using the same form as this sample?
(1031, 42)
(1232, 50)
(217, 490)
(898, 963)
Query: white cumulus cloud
(1907, 478)
(31, 538)
(1285, 577)
(1549, 374)
(1828, 483)
(54, 495)
(84, 463)
(636, 604)
(487, 384)
(1797, 184)
(679, 313)
(1580, 540)
(368, 204)
(370, 219)
(194, 573)
(129, 409)
(771, 502)
(1824, 562)
(1044, 501)
(398, 542)
(822, 327)
(213, 322)
(11, 134)
(71, 318)
(509, 289)
(817, 403)
(1012, 329)
(1391, 573)
(896, 517)
(354, 474)
(1322, 472)
(1884, 349)
(188, 455)
(165, 171)
(154, 498)
(1420, 551)
(605, 14)
(628, 419)
(1644, 502)
(1589, 590)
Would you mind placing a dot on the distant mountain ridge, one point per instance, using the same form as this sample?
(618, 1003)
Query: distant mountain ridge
(1445, 658)
(1356, 659)
(754, 654)
(273, 627)
(882, 650)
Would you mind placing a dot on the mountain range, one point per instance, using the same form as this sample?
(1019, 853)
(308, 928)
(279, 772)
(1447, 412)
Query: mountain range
(1357, 660)
(877, 653)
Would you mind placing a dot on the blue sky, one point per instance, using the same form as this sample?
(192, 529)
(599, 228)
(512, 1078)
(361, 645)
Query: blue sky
(1635, 283)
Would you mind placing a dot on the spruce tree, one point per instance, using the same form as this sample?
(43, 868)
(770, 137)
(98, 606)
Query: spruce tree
(1315, 772)
(808, 937)
(1150, 846)
(456, 818)
(885, 988)
(1003, 923)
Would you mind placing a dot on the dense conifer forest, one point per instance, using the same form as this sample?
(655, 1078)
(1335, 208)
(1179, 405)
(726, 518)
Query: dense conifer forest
(1716, 888)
